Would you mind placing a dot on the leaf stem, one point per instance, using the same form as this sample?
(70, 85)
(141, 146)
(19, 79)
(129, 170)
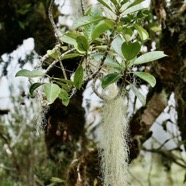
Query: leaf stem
(57, 60)
(63, 69)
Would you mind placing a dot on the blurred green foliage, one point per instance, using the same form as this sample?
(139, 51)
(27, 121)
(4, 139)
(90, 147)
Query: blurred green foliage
(23, 157)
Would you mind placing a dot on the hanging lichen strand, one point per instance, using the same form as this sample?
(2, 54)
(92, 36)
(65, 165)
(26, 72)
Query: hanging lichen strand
(113, 145)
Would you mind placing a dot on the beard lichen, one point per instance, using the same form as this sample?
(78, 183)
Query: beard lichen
(113, 145)
(42, 108)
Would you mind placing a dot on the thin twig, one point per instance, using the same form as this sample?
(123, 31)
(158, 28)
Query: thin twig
(150, 171)
(181, 11)
(167, 154)
(63, 69)
(95, 89)
(136, 178)
(7, 168)
(82, 7)
(73, 91)
(50, 15)
(123, 85)
(57, 60)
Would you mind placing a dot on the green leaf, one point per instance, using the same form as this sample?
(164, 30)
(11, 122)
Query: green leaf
(33, 87)
(101, 47)
(30, 74)
(67, 39)
(138, 94)
(142, 14)
(72, 55)
(116, 45)
(146, 77)
(125, 5)
(130, 50)
(133, 9)
(109, 79)
(24, 72)
(78, 77)
(124, 2)
(116, 3)
(82, 44)
(64, 81)
(105, 3)
(142, 32)
(108, 61)
(64, 97)
(88, 29)
(56, 180)
(101, 27)
(53, 53)
(94, 11)
(87, 20)
(150, 56)
(51, 91)
(127, 34)
(136, 2)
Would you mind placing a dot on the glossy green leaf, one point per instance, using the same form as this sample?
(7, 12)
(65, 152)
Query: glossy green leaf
(94, 11)
(69, 82)
(128, 33)
(133, 9)
(142, 14)
(138, 94)
(82, 44)
(86, 20)
(63, 95)
(124, 2)
(116, 45)
(33, 87)
(142, 32)
(108, 61)
(106, 4)
(51, 91)
(30, 74)
(102, 47)
(109, 79)
(68, 38)
(150, 56)
(66, 87)
(71, 55)
(88, 29)
(146, 77)
(78, 77)
(24, 72)
(130, 50)
(116, 3)
(53, 53)
(125, 5)
(136, 2)
(101, 27)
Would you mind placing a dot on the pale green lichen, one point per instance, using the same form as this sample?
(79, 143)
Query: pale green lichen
(114, 153)
(42, 109)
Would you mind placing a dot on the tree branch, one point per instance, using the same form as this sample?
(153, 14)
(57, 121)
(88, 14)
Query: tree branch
(50, 15)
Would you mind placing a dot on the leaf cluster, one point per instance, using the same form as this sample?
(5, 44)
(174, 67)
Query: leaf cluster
(109, 47)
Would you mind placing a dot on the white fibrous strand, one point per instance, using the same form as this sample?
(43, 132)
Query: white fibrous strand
(113, 145)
